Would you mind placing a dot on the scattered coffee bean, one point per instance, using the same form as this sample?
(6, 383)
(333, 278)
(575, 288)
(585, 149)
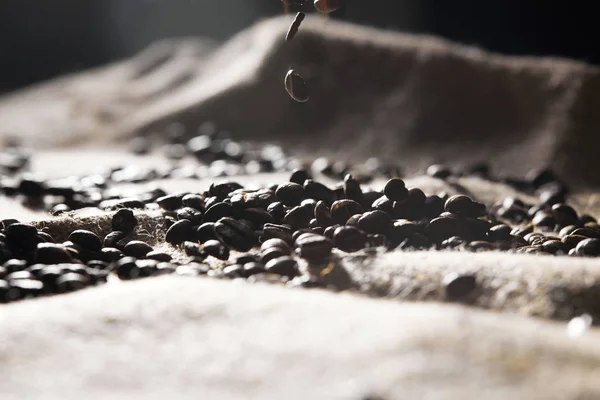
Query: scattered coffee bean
(86, 239)
(179, 232)
(50, 253)
(137, 249)
(124, 220)
(588, 247)
(296, 87)
(285, 266)
(216, 249)
(314, 247)
(459, 287)
(235, 235)
(349, 239)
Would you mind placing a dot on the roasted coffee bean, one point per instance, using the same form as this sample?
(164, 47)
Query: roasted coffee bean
(318, 191)
(285, 266)
(21, 236)
(5, 223)
(60, 209)
(50, 253)
(216, 249)
(86, 239)
(349, 239)
(205, 232)
(194, 201)
(522, 230)
(453, 243)
(413, 207)
(31, 187)
(329, 231)
(353, 220)
(179, 232)
(464, 206)
(283, 232)
(328, 6)
(400, 230)
(587, 232)
(322, 214)
(442, 228)
(290, 194)
(124, 221)
(592, 225)
(299, 217)
(210, 201)
(192, 249)
(272, 253)
(126, 268)
(191, 214)
(147, 267)
(277, 211)
(257, 216)
(98, 264)
(567, 230)
(313, 247)
(19, 275)
(168, 221)
(218, 211)
(352, 190)
(271, 243)
(459, 287)
(26, 288)
(233, 271)
(572, 240)
(296, 87)
(534, 238)
(499, 233)
(170, 202)
(383, 204)
(46, 237)
(515, 214)
(235, 235)
(395, 190)
(552, 196)
(221, 190)
(587, 218)
(539, 177)
(252, 268)
(375, 222)
(137, 249)
(294, 27)
(564, 214)
(544, 219)
(438, 171)
(588, 247)
(113, 238)
(434, 206)
(158, 256)
(555, 247)
(71, 282)
(342, 210)
(299, 176)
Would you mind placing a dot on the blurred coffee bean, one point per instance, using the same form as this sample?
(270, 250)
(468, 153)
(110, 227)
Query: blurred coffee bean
(86, 239)
(235, 235)
(137, 249)
(296, 87)
(124, 220)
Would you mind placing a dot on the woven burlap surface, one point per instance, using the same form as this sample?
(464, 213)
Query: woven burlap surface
(412, 100)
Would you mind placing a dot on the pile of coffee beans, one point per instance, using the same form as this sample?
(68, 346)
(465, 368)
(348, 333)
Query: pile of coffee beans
(280, 233)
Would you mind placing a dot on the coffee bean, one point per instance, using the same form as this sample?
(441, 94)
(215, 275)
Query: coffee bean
(276, 243)
(395, 189)
(296, 87)
(277, 211)
(216, 249)
(31, 187)
(555, 247)
(179, 232)
(349, 239)
(299, 176)
(126, 268)
(544, 219)
(313, 247)
(572, 240)
(137, 249)
(257, 216)
(318, 191)
(194, 201)
(21, 236)
(191, 214)
(170, 202)
(413, 207)
(299, 217)
(233, 271)
(564, 214)
(588, 247)
(218, 211)
(235, 235)
(322, 214)
(353, 220)
(50, 253)
(272, 253)
(438, 171)
(19, 275)
(124, 220)
(434, 206)
(283, 232)
(464, 206)
(113, 238)
(158, 256)
(285, 266)
(294, 27)
(442, 228)
(290, 194)
(453, 243)
(352, 190)
(328, 6)
(587, 218)
(587, 232)
(522, 230)
(86, 239)
(24, 288)
(375, 222)
(342, 210)
(221, 190)
(459, 287)
(252, 268)
(328, 232)
(70, 282)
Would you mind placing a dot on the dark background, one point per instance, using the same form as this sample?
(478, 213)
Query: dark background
(40, 39)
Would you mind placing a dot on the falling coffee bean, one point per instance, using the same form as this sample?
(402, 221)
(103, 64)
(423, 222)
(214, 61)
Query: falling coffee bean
(294, 27)
(296, 87)
(328, 6)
